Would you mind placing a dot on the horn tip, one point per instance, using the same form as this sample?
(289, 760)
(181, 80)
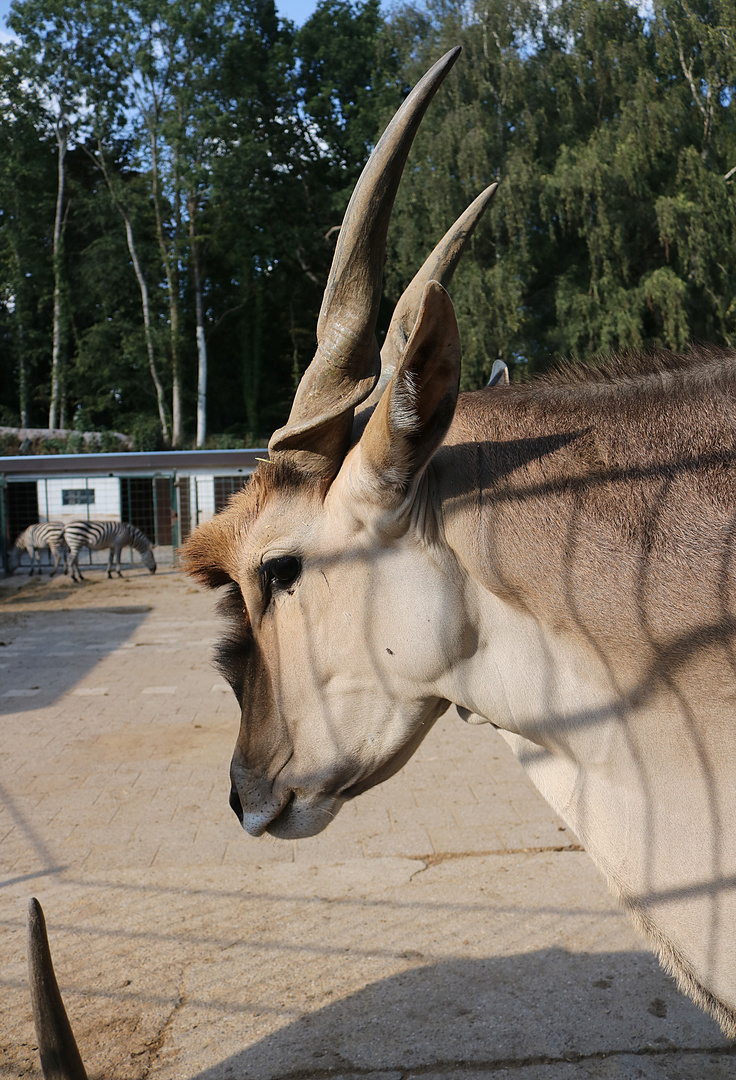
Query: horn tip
(446, 62)
(440, 67)
(35, 912)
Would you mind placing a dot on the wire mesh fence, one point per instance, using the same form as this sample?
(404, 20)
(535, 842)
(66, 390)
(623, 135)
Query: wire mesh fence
(164, 495)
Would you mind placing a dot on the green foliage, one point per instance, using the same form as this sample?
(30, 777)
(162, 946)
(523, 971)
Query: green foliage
(75, 443)
(213, 137)
(344, 70)
(54, 446)
(27, 179)
(613, 227)
(145, 432)
(109, 444)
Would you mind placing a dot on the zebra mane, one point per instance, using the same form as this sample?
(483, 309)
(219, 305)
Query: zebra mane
(138, 539)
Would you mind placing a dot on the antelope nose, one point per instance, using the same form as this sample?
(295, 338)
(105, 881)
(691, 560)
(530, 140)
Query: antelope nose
(236, 803)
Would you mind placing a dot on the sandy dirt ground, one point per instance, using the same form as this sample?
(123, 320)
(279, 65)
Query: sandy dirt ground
(444, 925)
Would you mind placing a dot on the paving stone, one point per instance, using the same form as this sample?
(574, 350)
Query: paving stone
(465, 839)
(240, 854)
(538, 833)
(389, 946)
(410, 842)
(429, 816)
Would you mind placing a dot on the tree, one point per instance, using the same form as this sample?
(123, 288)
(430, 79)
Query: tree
(26, 202)
(104, 83)
(613, 138)
(54, 35)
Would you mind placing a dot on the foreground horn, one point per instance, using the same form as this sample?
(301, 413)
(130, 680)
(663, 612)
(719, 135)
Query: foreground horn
(346, 365)
(440, 266)
(57, 1047)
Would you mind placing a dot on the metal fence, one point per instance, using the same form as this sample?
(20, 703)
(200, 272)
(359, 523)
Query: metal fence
(165, 495)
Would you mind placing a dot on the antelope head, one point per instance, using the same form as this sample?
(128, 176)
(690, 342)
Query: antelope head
(340, 592)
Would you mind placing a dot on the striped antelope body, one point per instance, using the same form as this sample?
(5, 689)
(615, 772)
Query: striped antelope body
(98, 535)
(46, 534)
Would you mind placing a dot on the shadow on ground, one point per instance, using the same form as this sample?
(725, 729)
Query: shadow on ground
(44, 652)
(488, 1015)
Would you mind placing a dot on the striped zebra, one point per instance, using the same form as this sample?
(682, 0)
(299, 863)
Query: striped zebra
(33, 540)
(98, 535)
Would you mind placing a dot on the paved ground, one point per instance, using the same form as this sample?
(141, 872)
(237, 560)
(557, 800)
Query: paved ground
(443, 926)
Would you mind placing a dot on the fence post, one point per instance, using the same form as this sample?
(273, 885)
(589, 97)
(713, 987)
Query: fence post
(86, 488)
(3, 523)
(155, 510)
(175, 501)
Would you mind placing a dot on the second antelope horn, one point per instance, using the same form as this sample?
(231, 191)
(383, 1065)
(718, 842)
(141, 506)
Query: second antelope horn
(440, 266)
(346, 365)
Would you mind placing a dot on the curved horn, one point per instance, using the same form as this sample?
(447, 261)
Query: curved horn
(346, 365)
(57, 1047)
(440, 266)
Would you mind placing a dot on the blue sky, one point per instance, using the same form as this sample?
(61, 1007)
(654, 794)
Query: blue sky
(296, 10)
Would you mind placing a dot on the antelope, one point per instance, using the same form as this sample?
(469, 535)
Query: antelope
(555, 558)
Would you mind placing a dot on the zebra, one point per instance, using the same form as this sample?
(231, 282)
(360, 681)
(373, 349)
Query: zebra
(45, 534)
(98, 535)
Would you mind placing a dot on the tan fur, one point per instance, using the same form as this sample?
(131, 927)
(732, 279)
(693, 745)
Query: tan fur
(680, 970)
(597, 503)
(642, 463)
(557, 559)
(210, 553)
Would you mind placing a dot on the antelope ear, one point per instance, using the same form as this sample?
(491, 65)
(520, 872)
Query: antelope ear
(208, 554)
(414, 413)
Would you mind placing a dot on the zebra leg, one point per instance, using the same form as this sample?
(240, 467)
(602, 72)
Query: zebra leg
(109, 562)
(33, 562)
(74, 567)
(55, 552)
(118, 554)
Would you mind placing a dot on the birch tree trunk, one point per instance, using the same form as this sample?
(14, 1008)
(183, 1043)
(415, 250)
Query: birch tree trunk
(201, 343)
(147, 330)
(176, 387)
(172, 283)
(62, 133)
(160, 399)
(20, 338)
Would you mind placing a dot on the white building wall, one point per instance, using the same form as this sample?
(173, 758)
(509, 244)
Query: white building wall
(201, 499)
(78, 498)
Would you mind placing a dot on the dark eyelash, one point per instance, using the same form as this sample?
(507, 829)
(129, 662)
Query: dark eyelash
(281, 572)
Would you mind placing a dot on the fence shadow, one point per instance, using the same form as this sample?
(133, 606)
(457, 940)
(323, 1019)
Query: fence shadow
(504, 1012)
(44, 652)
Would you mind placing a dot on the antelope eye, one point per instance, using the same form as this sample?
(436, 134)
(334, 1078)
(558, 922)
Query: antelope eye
(281, 571)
